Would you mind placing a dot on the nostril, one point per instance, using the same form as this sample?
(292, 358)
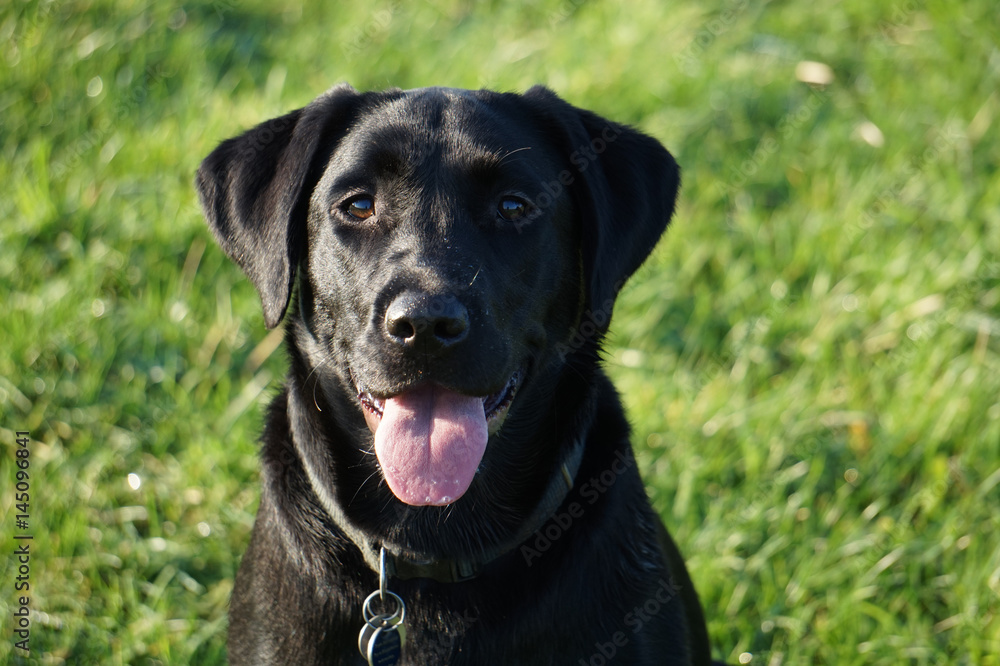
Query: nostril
(451, 329)
(400, 328)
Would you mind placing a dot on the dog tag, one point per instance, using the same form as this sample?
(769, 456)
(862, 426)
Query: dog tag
(378, 622)
(381, 639)
(382, 647)
(365, 636)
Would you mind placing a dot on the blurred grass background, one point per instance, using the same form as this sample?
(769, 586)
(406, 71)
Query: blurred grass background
(811, 358)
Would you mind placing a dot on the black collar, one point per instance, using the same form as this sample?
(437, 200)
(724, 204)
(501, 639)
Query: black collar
(458, 570)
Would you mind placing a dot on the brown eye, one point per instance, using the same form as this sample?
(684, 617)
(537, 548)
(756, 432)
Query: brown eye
(361, 208)
(512, 209)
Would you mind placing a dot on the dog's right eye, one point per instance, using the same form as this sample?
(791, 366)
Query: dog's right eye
(512, 209)
(361, 207)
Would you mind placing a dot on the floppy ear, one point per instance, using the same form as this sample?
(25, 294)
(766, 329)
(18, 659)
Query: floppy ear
(624, 184)
(255, 189)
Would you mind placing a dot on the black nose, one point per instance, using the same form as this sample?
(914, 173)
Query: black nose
(426, 321)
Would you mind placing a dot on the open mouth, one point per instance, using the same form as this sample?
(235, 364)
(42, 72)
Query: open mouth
(495, 405)
(430, 440)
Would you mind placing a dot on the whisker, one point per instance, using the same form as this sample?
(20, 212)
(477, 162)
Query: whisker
(362, 485)
(516, 150)
(322, 363)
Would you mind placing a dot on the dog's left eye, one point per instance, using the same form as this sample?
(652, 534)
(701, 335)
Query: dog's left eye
(361, 207)
(512, 209)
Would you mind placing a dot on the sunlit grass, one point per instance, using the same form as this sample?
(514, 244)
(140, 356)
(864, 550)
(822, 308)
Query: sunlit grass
(811, 358)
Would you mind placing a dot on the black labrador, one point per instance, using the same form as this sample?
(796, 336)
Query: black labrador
(450, 259)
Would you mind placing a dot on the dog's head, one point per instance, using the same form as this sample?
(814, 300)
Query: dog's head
(456, 253)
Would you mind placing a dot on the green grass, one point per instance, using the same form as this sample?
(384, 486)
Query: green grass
(811, 358)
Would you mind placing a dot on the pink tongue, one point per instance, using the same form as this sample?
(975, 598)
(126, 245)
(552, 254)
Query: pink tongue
(429, 444)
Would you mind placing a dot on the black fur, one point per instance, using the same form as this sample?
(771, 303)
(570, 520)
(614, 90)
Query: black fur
(601, 581)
